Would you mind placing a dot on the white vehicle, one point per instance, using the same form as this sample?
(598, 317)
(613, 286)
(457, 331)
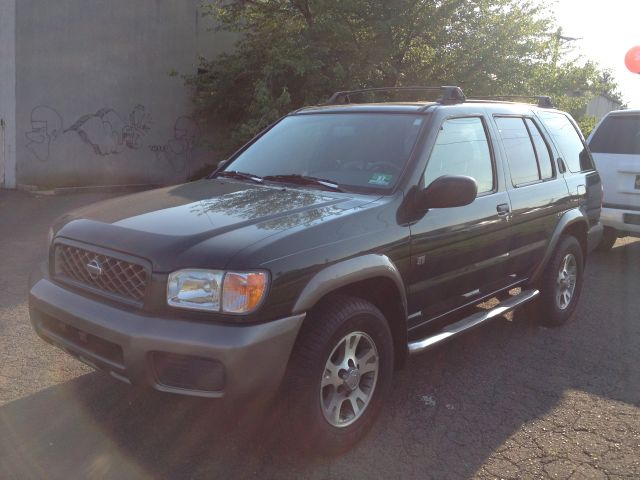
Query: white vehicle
(615, 144)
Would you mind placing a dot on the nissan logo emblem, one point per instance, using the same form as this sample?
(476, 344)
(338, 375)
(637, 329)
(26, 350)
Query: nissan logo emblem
(94, 268)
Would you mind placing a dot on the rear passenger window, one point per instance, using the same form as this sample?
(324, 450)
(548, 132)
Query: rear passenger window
(519, 149)
(542, 150)
(617, 134)
(573, 150)
(462, 148)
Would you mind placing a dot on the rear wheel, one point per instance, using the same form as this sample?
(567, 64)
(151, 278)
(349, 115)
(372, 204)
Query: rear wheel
(609, 237)
(560, 285)
(339, 374)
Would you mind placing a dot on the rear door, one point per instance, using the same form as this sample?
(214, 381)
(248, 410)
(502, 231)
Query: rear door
(536, 190)
(615, 145)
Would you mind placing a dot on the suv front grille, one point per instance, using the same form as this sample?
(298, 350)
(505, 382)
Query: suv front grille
(100, 272)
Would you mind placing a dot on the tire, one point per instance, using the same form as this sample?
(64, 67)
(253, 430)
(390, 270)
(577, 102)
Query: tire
(560, 285)
(609, 237)
(319, 357)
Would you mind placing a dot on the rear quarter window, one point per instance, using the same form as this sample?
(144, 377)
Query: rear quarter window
(572, 148)
(617, 134)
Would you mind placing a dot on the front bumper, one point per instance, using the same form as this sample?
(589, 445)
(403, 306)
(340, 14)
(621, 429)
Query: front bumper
(622, 220)
(231, 361)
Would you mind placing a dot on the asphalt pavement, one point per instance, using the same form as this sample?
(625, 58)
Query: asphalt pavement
(510, 400)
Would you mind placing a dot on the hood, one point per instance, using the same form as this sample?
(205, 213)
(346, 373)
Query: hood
(200, 224)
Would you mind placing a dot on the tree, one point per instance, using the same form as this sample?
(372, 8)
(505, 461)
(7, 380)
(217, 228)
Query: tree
(297, 52)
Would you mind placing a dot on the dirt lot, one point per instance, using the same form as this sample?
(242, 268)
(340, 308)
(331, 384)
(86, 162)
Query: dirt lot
(511, 400)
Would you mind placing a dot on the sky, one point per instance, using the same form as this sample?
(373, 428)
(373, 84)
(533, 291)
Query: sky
(608, 29)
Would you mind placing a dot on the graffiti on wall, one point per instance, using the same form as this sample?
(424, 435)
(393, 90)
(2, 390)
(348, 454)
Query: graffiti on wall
(104, 131)
(178, 151)
(46, 127)
(108, 134)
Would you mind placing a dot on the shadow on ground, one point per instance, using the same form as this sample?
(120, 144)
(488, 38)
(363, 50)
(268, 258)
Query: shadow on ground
(451, 409)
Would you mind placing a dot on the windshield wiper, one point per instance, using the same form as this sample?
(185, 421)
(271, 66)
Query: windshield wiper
(240, 175)
(298, 179)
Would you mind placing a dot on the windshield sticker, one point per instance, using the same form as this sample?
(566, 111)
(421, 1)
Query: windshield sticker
(383, 179)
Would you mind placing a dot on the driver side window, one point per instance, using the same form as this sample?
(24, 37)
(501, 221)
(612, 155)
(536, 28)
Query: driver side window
(462, 148)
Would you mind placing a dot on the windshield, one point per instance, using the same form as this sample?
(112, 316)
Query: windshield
(357, 151)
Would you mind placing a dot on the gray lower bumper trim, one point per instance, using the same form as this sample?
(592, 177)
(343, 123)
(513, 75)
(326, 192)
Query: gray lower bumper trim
(254, 356)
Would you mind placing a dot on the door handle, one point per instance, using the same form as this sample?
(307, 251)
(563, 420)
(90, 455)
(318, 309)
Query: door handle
(504, 211)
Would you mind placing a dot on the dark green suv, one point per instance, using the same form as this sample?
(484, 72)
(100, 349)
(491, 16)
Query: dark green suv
(337, 242)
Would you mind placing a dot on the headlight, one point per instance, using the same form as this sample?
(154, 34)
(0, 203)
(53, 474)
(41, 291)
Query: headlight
(197, 289)
(216, 291)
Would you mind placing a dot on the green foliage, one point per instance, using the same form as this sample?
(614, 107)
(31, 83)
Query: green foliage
(297, 52)
(587, 123)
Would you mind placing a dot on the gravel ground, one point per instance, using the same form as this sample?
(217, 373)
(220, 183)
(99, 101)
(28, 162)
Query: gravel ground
(510, 400)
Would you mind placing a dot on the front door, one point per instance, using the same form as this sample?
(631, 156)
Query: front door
(458, 254)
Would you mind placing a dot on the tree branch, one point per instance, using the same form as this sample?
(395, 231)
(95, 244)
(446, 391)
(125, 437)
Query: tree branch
(303, 7)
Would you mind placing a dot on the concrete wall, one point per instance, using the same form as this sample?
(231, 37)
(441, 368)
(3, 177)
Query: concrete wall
(7, 94)
(95, 102)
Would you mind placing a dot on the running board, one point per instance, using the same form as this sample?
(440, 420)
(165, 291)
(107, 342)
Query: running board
(471, 321)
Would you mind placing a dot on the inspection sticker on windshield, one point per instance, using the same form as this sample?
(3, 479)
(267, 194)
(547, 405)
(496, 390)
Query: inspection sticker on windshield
(383, 179)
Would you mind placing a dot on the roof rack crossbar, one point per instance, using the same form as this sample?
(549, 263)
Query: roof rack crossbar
(544, 101)
(450, 94)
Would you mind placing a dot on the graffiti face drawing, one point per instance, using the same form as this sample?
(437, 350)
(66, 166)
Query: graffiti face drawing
(46, 126)
(182, 143)
(179, 149)
(184, 135)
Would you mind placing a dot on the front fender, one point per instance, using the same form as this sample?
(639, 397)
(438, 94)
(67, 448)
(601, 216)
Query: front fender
(348, 272)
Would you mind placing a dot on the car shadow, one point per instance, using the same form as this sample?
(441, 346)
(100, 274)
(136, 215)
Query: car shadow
(450, 410)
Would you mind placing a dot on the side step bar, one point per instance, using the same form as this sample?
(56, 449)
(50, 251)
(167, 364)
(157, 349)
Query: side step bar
(471, 321)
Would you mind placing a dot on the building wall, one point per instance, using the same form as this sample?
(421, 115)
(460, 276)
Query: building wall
(7, 94)
(599, 106)
(96, 104)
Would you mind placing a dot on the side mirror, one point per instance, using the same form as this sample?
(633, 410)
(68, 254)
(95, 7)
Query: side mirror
(448, 191)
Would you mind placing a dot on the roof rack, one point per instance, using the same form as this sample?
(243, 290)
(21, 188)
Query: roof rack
(450, 95)
(543, 100)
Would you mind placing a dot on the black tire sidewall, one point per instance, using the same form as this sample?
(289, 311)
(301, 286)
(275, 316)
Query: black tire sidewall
(312, 431)
(550, 313)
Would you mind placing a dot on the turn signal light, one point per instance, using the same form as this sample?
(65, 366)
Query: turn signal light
(243, 292)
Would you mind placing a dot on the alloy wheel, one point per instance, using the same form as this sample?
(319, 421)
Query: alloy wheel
(349, 379)
(566, 283)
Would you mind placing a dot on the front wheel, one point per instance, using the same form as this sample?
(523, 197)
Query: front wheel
(339, 374)
(561, 284)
